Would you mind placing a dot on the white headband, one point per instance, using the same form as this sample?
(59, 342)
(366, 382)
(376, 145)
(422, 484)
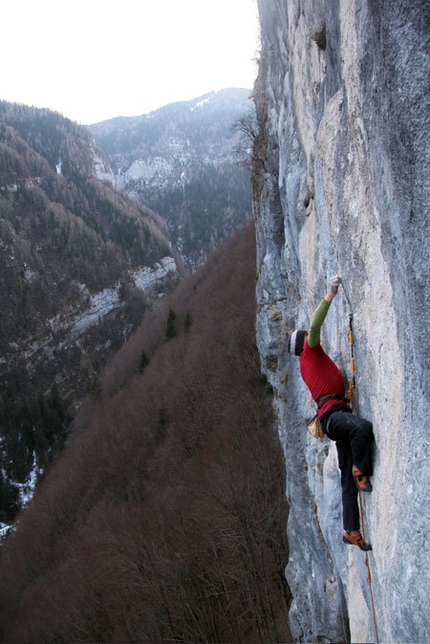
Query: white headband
(293, 339)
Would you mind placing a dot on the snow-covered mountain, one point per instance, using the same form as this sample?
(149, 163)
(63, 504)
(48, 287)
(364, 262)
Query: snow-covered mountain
(182, 161)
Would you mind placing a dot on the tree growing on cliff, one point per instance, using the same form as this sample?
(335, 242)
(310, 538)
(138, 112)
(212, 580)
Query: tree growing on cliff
(248, 130)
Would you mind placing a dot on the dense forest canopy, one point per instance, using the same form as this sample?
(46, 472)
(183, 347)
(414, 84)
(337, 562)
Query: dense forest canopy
(164, 518)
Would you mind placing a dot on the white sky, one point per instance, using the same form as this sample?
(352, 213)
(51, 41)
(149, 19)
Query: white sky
(92, 60)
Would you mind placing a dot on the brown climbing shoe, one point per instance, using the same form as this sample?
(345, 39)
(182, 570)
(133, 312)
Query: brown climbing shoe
(362, 482)
(356, 540)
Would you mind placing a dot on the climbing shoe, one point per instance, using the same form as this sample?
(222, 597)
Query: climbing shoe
(356, 540)
(362, 482)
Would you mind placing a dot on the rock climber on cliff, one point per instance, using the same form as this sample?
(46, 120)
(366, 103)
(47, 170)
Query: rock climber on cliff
(353, 435)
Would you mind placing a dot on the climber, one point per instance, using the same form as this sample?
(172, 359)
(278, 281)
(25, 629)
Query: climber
(353, 435)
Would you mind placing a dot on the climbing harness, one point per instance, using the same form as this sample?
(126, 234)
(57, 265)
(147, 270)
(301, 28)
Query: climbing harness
(353, 402)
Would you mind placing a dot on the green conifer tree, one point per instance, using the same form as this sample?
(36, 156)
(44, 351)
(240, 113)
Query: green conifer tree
(187, 322)
(144, 361)
(170, 328)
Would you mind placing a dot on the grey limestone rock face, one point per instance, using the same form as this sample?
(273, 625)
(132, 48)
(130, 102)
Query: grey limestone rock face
(341, 186)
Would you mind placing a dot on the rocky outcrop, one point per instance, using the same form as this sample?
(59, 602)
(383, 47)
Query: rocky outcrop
(341, 185)
(102, 304)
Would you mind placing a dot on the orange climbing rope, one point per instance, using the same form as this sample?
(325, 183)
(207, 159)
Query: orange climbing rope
(352, 391)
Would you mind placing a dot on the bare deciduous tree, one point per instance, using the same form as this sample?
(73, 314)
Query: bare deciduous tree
(165, 518)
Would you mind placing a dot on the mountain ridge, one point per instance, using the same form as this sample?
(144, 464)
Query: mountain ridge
(79, 263)
(182, 161)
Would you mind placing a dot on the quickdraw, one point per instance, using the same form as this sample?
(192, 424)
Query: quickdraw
(353, 390)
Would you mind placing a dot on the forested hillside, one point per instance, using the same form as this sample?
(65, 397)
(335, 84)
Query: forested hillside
(164, 519)
(70, 249)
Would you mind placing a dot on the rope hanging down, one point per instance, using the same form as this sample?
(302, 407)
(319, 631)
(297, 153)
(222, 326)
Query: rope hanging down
(353, 401)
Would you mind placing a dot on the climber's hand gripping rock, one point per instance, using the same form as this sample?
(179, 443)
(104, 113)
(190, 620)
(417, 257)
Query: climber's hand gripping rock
(335, 282)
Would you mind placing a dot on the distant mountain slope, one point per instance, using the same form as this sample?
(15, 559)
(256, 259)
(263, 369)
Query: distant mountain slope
(181, 161)
(164, 519)
(75, 259)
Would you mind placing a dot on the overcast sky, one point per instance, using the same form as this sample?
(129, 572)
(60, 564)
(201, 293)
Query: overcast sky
(92, 60)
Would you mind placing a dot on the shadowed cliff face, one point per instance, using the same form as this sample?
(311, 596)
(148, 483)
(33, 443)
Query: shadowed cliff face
(341, 185)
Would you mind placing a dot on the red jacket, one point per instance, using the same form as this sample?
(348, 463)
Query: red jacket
(321, 376)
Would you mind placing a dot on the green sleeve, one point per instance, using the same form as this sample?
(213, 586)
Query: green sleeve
(316, 323)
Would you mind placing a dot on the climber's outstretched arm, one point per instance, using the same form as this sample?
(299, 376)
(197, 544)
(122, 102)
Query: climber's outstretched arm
(321, 311)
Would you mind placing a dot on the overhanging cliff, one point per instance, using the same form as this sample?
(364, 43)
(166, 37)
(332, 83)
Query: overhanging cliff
(341, 185)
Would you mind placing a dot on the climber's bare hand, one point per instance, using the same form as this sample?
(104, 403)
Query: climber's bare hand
(335, 282)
